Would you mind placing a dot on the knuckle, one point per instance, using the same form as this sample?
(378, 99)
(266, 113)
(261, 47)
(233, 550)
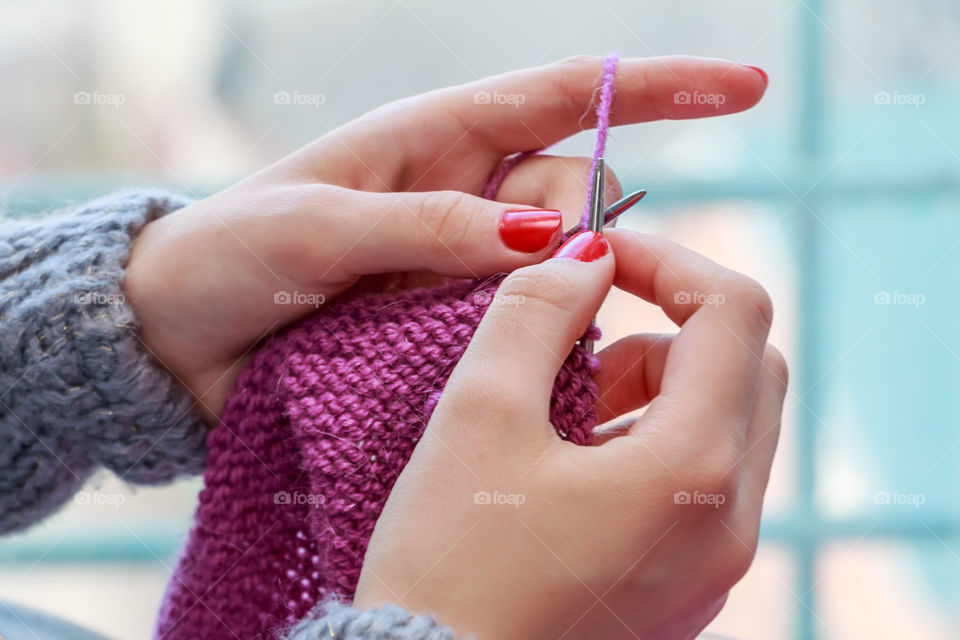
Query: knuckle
(735, 558)
(776, 364)
(540, 287)
(305, 198)
(566, 78)
(752, 299)
(445, 218)
(559, 180)
(716, 472)
(579, 62)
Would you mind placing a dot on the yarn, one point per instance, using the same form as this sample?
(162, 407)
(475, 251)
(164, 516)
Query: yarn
(604, 106)
(312, 438)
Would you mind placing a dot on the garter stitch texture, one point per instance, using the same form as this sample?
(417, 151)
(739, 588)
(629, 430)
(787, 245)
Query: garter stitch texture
(312, 438)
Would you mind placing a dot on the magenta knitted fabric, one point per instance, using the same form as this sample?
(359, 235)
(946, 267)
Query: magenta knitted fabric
(312, 439)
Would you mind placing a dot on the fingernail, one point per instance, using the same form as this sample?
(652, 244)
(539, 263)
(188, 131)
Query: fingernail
(529, 230)
(763, 74)
(586, 246)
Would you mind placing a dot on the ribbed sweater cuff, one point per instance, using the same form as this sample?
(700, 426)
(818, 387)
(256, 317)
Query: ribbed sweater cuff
(334, 620)
(77, 387)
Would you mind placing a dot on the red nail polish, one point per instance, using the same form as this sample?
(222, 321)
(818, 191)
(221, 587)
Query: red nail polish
(529, 230)
(586, 246)
(763, 74)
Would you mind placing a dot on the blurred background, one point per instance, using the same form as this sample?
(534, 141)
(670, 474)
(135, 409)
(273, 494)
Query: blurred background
(839, 192)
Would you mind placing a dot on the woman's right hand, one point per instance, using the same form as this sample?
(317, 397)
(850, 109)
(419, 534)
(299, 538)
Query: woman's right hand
(641, 535)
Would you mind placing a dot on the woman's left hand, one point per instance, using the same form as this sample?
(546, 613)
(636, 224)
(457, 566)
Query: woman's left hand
(391, 200)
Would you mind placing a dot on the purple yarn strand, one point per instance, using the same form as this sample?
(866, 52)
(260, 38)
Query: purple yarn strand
(604, 107)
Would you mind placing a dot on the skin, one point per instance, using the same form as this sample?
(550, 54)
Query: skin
(391, 200)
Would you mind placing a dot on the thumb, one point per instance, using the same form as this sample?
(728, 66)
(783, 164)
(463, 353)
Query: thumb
(537, 315)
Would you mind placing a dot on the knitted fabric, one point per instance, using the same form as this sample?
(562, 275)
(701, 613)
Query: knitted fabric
(312, 438)
(311, 441)
(77, 388)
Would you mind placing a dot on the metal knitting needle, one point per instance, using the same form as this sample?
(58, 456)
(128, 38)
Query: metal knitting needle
(613, 212)
(595, 220)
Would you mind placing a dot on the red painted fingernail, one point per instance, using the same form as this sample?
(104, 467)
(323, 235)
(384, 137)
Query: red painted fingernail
(763, 74)
(529, 230)
(586, 246)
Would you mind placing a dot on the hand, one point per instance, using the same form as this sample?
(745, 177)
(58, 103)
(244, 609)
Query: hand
(384, 200)
(639, 536)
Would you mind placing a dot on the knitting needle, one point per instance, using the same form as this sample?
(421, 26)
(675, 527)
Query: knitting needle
(622, 205)
(613, 212)
(595, 220)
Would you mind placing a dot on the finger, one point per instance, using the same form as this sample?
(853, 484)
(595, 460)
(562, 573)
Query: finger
(630, 372)
(556, 182)
(444, 232)
(553, 102)
(712, 370)
(514, 356)
(539, 106)
(764, 430)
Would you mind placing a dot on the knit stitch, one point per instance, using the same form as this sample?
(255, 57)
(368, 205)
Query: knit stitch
(311, 441)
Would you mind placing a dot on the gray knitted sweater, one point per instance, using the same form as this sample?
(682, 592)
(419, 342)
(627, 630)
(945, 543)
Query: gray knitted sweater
(79, 391)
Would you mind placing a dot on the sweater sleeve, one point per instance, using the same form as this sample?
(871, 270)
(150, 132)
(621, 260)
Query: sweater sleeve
(336, 621)
(78, 389)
